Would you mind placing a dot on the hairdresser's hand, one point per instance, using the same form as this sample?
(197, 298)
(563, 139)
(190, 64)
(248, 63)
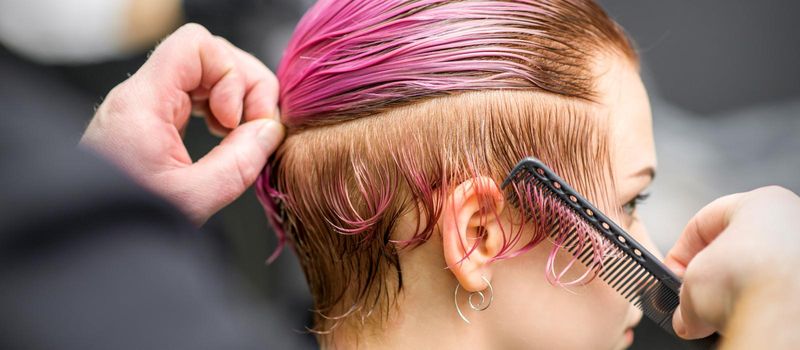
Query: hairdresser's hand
(740, 249)
(140, 123)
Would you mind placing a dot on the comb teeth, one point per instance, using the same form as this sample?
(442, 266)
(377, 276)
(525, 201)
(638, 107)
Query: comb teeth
(627, 267)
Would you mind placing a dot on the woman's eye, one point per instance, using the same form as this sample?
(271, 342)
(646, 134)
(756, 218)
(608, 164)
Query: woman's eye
(630, 207)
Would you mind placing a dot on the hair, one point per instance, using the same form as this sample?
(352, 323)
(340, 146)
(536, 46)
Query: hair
(390, 104)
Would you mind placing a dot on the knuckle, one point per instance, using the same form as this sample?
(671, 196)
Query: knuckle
(119, 90)
(272, 80)
(117, 99)
(774, 192)
(690, 276)
(223, 40)
(700, 272)
(193, 29)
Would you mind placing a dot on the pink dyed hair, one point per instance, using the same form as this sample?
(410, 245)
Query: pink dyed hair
(349, 58)
(391, 103)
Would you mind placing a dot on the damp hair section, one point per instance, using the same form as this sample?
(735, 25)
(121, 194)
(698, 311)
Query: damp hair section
(341, 207)
(391, 104)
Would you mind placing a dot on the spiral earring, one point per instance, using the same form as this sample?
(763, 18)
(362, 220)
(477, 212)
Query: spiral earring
(482, 305)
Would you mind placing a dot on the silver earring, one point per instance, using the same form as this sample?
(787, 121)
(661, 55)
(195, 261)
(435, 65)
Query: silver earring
(482, 305)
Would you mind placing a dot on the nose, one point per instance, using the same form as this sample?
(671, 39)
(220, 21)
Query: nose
(640, 233)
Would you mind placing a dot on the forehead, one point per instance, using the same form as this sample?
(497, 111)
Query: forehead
(625, 99)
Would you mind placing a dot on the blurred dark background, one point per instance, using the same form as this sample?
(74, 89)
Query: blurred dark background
(723, 77)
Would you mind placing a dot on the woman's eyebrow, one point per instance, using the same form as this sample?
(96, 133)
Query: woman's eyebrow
(648, 171)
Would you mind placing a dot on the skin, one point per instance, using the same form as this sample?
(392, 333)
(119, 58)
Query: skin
(140, 123)
(752, 299)
(527, 312)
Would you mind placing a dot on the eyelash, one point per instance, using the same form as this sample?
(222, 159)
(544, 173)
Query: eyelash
(630, 207)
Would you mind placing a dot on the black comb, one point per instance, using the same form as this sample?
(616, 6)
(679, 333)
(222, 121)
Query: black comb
(631, 270)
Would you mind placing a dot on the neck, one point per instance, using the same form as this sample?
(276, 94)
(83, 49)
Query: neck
(423, 317)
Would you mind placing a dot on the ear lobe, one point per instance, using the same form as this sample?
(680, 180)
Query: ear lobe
(471, 232)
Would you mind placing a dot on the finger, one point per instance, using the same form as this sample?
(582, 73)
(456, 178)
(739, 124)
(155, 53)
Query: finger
(226, 98)
(261, 100)
(189, 59)
(233, 166)
(202, 110)
(685, 321)
(703, 228)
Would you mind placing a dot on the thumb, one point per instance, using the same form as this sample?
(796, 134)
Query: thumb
(232, 167)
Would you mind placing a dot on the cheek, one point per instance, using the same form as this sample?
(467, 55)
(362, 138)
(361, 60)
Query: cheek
(531, 312)
(639, 232)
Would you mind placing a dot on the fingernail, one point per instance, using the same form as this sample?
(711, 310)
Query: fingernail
(270, 134)
(239, 111)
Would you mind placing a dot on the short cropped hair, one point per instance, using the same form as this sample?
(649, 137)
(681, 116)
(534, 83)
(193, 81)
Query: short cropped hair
(390, 104)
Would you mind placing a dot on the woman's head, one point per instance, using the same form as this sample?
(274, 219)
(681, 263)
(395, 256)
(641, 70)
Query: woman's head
(403, 117)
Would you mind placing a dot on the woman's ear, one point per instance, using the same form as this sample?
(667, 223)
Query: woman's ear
(472, 234)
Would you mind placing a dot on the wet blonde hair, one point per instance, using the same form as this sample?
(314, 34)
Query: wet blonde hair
(390, 104)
